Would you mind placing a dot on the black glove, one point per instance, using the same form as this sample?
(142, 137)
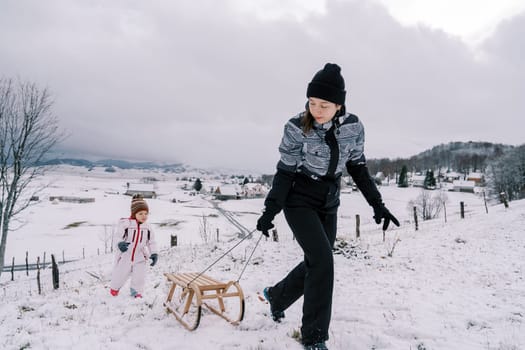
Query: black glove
(154, 257)
(265, 223)
(123, 246)
(381, 212)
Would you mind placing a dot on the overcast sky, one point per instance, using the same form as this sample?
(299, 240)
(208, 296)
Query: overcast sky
(211, 83)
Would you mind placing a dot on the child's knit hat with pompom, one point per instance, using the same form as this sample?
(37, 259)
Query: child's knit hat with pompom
(137, 204)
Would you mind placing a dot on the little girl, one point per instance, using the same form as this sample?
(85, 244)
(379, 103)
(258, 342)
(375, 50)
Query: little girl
(134, 243)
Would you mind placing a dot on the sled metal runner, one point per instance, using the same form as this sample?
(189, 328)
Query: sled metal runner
(189, 291)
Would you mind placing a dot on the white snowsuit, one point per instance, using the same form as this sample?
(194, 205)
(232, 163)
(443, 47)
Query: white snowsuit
(134, 260)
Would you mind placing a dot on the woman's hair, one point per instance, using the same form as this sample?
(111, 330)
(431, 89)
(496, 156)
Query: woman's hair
(307, 121)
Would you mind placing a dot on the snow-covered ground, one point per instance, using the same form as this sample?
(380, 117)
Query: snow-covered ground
(450, 285)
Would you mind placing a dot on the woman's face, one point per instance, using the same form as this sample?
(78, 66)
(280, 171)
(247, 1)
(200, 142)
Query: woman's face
(323, 111)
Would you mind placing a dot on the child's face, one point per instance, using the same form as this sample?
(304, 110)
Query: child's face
(142, 216)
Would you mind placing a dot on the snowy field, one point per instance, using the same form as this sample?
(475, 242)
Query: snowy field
(450, 285)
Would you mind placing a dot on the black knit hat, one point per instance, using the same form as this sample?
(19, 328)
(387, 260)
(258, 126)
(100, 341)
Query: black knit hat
(328, 84)
(137, 204)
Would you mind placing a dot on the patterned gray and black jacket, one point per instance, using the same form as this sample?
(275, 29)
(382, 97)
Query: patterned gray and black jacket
(321, 155)
(310, 153)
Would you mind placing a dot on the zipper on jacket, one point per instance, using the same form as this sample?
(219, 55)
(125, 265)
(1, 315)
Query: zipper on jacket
(331, 141)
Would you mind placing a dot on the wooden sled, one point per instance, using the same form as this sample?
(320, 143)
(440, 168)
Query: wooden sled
(188, 293)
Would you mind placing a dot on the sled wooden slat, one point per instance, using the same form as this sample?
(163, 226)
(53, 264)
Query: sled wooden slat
(191, 289)
(203, 282)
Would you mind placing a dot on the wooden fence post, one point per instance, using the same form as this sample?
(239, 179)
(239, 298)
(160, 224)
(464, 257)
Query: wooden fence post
(13, 269)
(462, 208)
(503, 198)
(485, 200)
(173, 240)
(445, 211)
(55, 272)
(415, 218)
(357, 224)
(63, 258)
(38, 275)
(44, 262)
(275, 236)
(217, 234)
(105, 239)
(27, 263)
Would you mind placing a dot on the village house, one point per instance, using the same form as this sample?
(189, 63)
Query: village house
(225, 192)
(380, 176)
(146, 190)
(253, 190)
(463, 186)
(478, 178)
(418, 180)
(452, 176)
(71, 199)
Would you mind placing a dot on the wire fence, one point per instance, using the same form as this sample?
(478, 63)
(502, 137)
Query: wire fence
(32, 267)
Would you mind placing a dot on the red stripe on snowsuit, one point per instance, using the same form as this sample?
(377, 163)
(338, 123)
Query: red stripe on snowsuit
(136, 241)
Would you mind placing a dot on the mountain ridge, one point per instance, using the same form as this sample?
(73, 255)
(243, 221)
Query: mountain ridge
(455, 155)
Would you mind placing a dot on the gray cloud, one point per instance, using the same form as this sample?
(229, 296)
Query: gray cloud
(198, 82)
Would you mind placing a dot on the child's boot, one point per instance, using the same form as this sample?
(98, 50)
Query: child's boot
(134, 293)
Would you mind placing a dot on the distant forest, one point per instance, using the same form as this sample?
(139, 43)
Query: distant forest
(461, 157)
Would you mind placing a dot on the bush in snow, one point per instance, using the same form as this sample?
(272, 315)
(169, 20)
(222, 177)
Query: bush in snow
(427, 206)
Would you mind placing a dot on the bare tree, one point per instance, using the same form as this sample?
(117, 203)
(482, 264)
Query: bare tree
(204, 229)
(28, 130)
(427, 206)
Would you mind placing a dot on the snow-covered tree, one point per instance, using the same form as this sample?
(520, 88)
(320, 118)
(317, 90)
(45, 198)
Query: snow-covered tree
(403, 177)
(197, 186)
(430, 181)
(507, 175)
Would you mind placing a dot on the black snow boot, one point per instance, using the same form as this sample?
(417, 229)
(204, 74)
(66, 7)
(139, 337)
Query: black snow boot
(317, 346)
(277, 315)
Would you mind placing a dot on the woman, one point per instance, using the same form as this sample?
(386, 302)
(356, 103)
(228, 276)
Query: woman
(316, 145)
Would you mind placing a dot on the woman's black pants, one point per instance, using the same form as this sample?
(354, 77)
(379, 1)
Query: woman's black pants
(313, 278)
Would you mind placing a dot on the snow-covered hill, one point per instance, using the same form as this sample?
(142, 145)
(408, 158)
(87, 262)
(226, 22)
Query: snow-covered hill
(453, 285)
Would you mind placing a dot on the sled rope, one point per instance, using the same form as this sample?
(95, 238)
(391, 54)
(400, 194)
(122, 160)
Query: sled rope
(247, 261)
(223, 255)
